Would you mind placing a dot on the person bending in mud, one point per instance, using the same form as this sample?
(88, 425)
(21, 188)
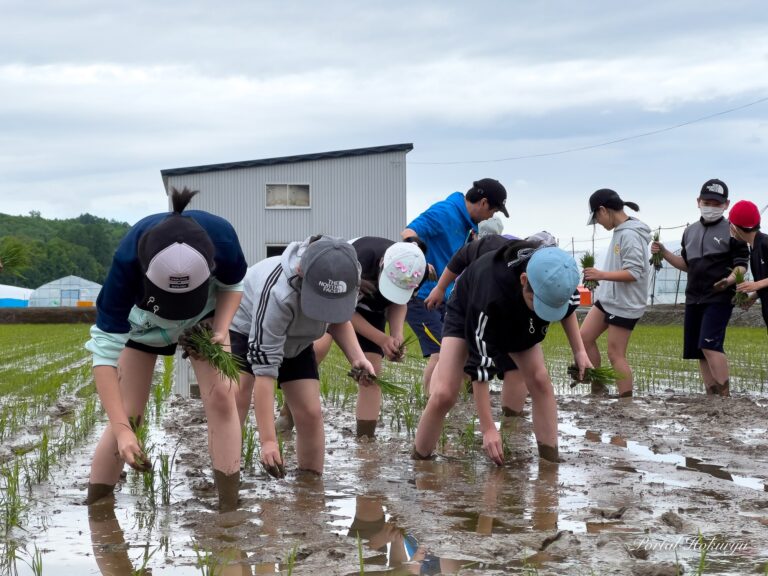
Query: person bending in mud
(503, 304)
(622, 295)
(391, 271)
(711, 257)
(745, 225)
(170, 272)
(288, 303)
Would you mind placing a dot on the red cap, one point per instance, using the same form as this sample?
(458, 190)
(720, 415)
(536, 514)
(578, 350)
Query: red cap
(744, 214)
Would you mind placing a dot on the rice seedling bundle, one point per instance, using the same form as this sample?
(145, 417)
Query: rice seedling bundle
(196, 342)
(739, 298)
(602, 375)
(588, 261)
(387, 388)
(656, 259)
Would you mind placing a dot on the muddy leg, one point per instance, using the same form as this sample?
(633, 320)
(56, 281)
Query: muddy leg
(228, 487)
(369, 401)
(513, 394)
(284, 423)
(445, 392)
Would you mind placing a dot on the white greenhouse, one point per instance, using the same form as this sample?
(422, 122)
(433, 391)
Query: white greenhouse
(67, 291)
(14, 296)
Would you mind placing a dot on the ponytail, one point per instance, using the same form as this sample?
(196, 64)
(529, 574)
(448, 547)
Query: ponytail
(180, 199)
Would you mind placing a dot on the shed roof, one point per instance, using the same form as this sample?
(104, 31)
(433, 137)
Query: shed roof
(287, 159)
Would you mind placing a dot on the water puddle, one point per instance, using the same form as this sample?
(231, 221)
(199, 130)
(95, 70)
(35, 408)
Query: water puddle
(646, 453)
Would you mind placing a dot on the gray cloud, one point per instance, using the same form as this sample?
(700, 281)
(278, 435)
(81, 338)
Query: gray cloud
(98, 97)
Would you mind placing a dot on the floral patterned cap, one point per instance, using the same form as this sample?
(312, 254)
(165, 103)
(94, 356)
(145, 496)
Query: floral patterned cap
(402, 271)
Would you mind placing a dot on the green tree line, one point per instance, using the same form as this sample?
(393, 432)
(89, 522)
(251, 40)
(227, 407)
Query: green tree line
(81, 246)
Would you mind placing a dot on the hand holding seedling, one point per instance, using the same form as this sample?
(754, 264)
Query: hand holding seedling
(593, 274)
(390, 346)
(363, 376)
(129, 449)
(492, 446)
(583, 363)
(271, 459)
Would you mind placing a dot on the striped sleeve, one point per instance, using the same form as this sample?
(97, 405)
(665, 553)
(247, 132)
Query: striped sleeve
(269, 325)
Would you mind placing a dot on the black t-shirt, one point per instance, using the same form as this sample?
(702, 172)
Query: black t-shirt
(758, 264)
(490, 295)
(470, 252)
(370, 250)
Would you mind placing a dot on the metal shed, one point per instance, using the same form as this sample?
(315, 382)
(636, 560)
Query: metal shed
(274, 201)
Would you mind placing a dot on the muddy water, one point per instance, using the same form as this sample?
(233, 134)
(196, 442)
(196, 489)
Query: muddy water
(639, 481)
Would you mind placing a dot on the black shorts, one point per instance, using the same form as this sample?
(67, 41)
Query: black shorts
(300, 367)
(614, 320)
(379, 321)
(478, 367)
(704, 328)
(169, 350)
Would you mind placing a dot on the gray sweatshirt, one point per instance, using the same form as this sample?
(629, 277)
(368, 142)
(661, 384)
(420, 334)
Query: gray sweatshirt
(270, 312)
(628, 251)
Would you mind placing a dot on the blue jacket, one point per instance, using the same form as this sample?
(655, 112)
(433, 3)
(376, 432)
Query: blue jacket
(118, 318)
(444, 227)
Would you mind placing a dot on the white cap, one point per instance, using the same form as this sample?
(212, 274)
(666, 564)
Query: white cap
(402, 271)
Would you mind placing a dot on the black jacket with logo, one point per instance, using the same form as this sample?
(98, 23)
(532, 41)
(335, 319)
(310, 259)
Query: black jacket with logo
(711, 254)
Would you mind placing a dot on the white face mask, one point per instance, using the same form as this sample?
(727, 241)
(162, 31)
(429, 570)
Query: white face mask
(711, 213)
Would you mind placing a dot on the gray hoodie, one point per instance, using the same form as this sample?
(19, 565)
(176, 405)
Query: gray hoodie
(270, 312)
(628, 251)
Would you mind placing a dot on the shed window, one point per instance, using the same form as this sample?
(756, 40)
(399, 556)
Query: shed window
(288, 196)
(70, 294)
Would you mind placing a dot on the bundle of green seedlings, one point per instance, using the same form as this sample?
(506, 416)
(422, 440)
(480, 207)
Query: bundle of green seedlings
(403, 348)
(141, 429)
(588, 261)
(739, 298)
(387, 388)
(196, 342)
(656, 259)
(602, 375)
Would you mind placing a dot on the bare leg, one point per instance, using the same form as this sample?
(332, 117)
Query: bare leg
(544, 410)
(717, 363)
(134, 371)
(243, 396)
(444, 395)
(618, 339)
(513, 393)
(428, 370)
(369, 401)
(303, 399)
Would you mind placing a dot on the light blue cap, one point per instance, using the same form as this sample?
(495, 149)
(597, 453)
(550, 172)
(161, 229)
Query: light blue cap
(553, 275)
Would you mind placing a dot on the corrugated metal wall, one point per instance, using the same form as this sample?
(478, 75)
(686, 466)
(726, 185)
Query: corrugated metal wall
(350, 197)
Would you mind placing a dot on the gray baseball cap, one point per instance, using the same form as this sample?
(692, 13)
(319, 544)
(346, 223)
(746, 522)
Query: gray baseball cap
(331, 280)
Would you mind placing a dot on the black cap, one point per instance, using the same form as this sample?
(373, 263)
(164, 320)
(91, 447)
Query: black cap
(494, 192)
(714, 189)
(177, 258)
(603, 197)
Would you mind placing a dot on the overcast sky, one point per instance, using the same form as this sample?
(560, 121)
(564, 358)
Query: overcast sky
(98, 97)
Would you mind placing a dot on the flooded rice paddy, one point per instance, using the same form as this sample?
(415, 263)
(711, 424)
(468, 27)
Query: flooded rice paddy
(670, 482)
